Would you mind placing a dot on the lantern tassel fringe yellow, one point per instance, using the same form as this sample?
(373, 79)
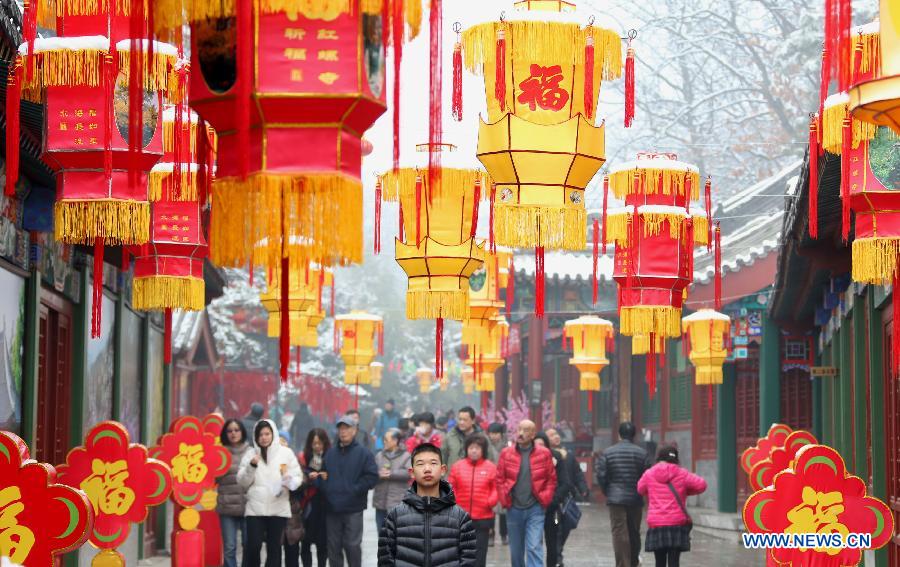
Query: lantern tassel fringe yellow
(589, 382)
(618, 227)
(159, 75)
(62, 67)
(424, 304)
(542, 42)
(164, 292)
(49, 10)
(325, 211)
(527, 226)
(454, 182)
(188, 185)
(118, 222)
(874, 260)
(870, 47)
(169, 135)
(664, 321)
(622, 183)
(708, 375)
(833, 129)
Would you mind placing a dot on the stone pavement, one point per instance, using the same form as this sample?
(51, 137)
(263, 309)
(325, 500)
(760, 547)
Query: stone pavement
(588, 546)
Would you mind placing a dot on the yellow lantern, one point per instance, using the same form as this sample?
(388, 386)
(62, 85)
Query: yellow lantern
(360, 337)
(376, 369)
(304, 304)
(468, 380)
(426, 379)
(707, 331)
(877, 99)
(540, 143)
(486, 357)
(640, 344)
(589, 335)
(484, 298)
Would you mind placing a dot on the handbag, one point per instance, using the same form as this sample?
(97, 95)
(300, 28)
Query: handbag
(571, 513)
(690, 525)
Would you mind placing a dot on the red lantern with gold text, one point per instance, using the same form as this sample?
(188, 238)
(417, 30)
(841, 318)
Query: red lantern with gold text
(655, 236)
(102, 85)
(168, 270)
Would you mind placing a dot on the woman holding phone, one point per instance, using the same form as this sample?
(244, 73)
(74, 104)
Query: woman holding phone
(269, 474)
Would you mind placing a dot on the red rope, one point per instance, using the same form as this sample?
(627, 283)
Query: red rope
(589, 74)
(605, 203)
(397, 38)
(629, 86)
(457, 97)
(500, 76)
(595, 285)
(97, 289)
(13, 105)
(377, 245)
(539, 282)
(847, 143)
(814, 178)
(285, 338)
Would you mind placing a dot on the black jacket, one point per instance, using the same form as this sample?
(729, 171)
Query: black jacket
(563, 481)
(351, 475)
(427, 532)
(579, 487)
(618, 470)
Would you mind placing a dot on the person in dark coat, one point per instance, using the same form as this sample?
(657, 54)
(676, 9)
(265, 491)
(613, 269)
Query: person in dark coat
(578, 487)
(231, 497)
(428, 528)
(552, 520)
(251, 419)
(347, 476)
(302, 424)
(618, 470)
(312, 504)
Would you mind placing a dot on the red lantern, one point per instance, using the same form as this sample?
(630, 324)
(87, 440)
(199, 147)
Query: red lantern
(102, 106)
(291, 88)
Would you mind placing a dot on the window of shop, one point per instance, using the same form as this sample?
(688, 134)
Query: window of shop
(746, 410)
(12, 334)
(679, 386)
(101, 353)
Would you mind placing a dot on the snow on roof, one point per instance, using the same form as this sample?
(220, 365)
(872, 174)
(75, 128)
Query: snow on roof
(186, 329)
(837, 99)
(158, 46)
(742, 197)
(655, 209)
(867, 29)
(654, 163)
(706, 315)
(78, 43)
(168, 166)
(737, 253)
(589, 320)
(169, 115)
(570, 265)
(358, 316)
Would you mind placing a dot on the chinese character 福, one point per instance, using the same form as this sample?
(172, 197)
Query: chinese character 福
(16, 540)
(819, 512)
(542, 89)
(106, 489)
(188, 465)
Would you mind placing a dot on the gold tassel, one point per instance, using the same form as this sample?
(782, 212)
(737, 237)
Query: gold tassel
(589, 382)
(118, 222)
(169, 135)
(833, 129)
(156, 293)
(354, 375)
(49, 10)
(526, 226)
(164, 179)
(542, 42)
(62, 68)
(673, 182)
(323, 210)
(708, 375)
(455, 183)
(487, 382)
(664, 321)
(870, 47)
(874, 260)
(436, 304)
(158, 76)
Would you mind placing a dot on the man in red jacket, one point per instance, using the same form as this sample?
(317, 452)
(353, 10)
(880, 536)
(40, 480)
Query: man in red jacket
(526, 480)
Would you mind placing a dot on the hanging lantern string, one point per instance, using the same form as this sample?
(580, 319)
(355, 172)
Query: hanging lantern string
(378, 199)
(457, 97)
(629, 80)
(813, 176)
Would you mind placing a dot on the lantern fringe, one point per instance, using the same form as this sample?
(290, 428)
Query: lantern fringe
(869, 46)
(412, 13)
(589, 382)
(424, 304)
(674, 181)
(357, 375)
(117, 222)
(49, 10)
(618, 228)
(455, 183)
(542, 42)
(168, 292)
(640, 344)
(832, 124)
(527, 226)
(303, 333)
(663, 321)
(708, 375)
(61, 68)
(487, 382)
(159, 75)
(325, 215)
(157, 180)
(874, 260)
(169, 136)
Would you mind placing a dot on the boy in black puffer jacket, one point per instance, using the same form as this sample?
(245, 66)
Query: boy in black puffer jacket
(428, 529)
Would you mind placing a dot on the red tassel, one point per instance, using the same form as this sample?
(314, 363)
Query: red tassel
(709, 397)
(126, 260)
(511, 286)
(590, 397)
(610, 345)
(29, 33)
(830, 48)
(539, 282)
(377, 246)
(651, 367)
(97, 290)
(457, 98)
(298, 359)
(13, 104)
(439, 348)
(177, 150)
(500, 77)
(109, 76)
(595, 284)
(605, 205)
(895, 306)
(824, 77)
(629, 86)
(321, 285)
(397, 38)
(845, 179)
(400, 235)
(245, 74)
(381, 340)
(167, 337)
(496, 276)
(708, 205)
(285, 338)
(589, 75)
(718, 268)
(814, 178)
(845, 55)
(337, 338)
(418, 209)
(686, 345)
(491, 242)
(477, 199)
(333, 285)
(436, 99)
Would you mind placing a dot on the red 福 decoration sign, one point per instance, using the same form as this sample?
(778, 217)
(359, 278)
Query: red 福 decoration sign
(763, 473)
(39, 519)
(778, 433)
(120, 481)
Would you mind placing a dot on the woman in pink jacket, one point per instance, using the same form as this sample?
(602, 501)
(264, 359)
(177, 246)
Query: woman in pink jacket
(667, 485)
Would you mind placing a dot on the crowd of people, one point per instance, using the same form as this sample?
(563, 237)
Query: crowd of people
(443, 489)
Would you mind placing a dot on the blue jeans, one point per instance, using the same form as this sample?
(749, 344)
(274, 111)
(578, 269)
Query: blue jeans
(526, 534)
(230, 526)
(380, 515)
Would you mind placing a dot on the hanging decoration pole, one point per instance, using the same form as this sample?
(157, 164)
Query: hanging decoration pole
(97, 289)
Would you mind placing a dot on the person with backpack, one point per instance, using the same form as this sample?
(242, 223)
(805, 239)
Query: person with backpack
(667, 486)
